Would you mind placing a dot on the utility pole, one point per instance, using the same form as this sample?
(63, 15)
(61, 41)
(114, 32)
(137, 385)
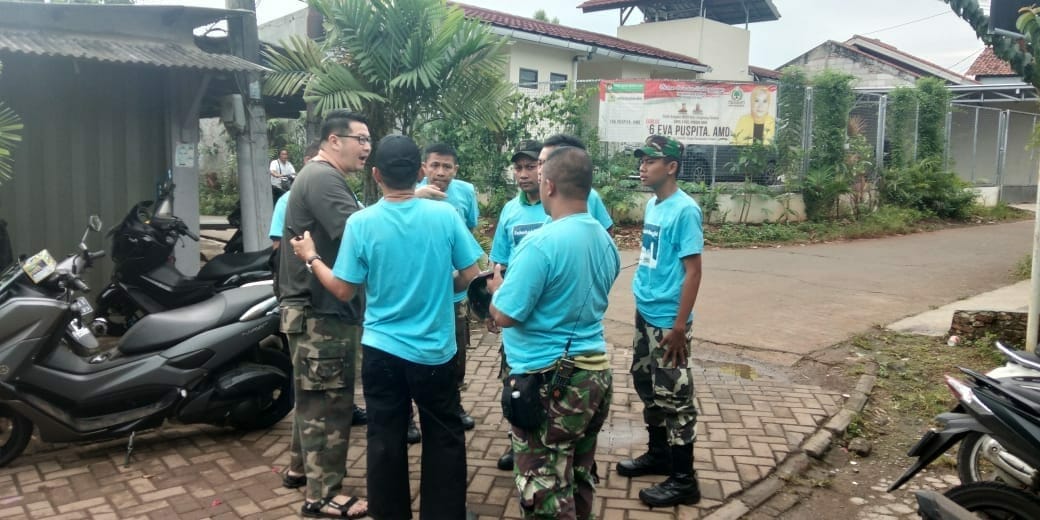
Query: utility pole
(254, 187)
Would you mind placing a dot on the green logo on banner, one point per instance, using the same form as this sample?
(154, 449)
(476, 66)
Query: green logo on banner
(625, 87)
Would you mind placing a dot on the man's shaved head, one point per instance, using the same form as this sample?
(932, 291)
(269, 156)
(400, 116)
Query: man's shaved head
(570, 169)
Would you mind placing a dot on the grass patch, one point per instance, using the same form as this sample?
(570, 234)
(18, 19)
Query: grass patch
(1023, 268)
(999, 213)
(910, 374)
(886, 221)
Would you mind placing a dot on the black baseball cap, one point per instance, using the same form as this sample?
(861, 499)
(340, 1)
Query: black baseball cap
(398, 155)
(529, 149)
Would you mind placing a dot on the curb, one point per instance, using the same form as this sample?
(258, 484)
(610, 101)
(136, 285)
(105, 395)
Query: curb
(815, 447)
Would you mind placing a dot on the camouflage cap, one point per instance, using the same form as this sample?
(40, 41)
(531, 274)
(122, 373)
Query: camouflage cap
(660, 146)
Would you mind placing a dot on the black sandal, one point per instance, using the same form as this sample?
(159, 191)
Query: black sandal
(316, 509)
(293, 481)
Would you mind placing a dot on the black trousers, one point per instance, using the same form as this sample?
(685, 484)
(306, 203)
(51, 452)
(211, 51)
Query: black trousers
(390, 385)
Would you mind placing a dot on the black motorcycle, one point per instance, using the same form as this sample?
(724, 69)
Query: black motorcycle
(219, 361)
(146, 280)
(1006, 411)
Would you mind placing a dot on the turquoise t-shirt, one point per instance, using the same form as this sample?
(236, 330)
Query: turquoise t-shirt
(557, 289)
(598, 210)
(517, 219)
(404, 253)
(463, 197)
(671, 231)
(278, 217)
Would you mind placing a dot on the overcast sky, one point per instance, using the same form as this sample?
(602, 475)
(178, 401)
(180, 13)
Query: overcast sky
(925, 28)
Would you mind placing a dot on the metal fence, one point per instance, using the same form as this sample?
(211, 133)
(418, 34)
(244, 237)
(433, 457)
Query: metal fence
(986, 144)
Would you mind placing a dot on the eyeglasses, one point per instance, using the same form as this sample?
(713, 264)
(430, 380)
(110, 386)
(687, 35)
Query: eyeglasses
(528, 166)
(361, 139)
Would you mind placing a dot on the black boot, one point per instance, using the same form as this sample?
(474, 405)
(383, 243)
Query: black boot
(680, 487)
(656, 461)
(414, 436)
(505, 462)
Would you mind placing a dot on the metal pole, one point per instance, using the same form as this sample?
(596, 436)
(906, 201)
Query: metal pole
(1002, 135)
(946, 138)
(1034, 278)
(879, 148)
(917, 118)
(975, 145)
(807, 129)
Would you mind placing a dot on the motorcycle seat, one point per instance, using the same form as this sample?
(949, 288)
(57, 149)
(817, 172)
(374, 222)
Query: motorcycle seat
(224, 266)
(164, 329)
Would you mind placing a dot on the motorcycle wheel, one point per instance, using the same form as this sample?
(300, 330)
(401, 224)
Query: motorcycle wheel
(15, 432)
(974, 466)
(996, 500)
(279, 403)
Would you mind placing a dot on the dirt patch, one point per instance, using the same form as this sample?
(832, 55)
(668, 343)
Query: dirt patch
(908, 394)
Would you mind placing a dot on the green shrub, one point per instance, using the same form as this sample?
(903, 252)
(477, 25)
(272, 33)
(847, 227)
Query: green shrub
(926, 187)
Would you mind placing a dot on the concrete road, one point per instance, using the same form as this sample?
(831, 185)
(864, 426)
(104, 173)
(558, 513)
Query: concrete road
(799, 299)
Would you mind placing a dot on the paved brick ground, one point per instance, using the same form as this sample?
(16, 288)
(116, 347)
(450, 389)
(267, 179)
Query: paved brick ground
(748, 423)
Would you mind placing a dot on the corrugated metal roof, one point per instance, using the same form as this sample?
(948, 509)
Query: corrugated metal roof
(731, 12)
(119, 49)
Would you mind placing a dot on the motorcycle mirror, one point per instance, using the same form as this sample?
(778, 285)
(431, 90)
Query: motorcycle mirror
(95, 223)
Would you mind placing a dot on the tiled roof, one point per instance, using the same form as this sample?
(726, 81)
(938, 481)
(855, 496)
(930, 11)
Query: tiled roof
(988, 64)
(530, 25)
(897, 55)
(764, 72)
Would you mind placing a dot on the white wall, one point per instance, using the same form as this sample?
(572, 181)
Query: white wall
(292, 24)
(869, 73)
(543, 58)
(723, 47)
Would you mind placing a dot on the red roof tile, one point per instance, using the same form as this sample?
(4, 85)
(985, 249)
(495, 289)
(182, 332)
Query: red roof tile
(763, 72)
(988, 64)
(530, 25)
(905, 57)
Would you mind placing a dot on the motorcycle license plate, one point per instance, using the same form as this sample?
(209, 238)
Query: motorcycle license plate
(39, 266)
(927, 439)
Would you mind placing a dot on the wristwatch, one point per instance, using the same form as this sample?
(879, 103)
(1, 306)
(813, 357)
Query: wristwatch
(310, 261)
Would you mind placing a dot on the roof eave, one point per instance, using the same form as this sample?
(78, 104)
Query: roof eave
(598, 50)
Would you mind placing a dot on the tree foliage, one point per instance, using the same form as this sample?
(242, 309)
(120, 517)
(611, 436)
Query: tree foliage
(832, 103)
(402, 63)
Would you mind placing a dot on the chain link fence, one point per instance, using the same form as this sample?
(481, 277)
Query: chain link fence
(987, 145)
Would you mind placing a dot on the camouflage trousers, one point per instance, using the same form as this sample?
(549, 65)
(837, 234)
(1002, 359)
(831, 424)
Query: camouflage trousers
(553, 464)
(461, 341)
(324, 353)
(667, 392)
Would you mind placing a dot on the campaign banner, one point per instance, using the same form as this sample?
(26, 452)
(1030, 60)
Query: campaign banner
(692, 112)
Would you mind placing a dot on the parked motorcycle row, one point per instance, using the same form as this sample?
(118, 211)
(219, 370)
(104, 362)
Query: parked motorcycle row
(203, 349)
(996, 426)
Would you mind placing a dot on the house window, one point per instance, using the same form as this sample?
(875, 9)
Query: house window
(528, 78)
(557, 81)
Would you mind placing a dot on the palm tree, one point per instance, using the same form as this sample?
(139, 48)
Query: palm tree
(10, 125)
(402, 63)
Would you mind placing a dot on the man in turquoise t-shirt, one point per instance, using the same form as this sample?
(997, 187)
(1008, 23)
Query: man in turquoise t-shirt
(440, 165)
(551, 306)
(408, 350)
(665, 286)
